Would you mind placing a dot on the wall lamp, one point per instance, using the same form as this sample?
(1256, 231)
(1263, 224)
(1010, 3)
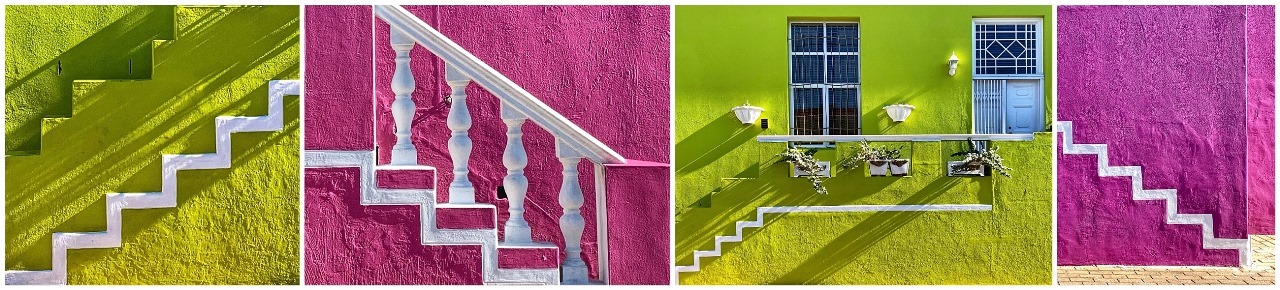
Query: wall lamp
(953, 63)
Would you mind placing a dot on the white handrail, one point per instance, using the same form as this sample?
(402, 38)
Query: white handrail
(507, 91)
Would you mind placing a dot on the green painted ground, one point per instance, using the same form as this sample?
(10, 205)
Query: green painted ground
(235, 226)
(723, 173)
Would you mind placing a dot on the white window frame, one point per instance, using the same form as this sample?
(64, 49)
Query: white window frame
(973, 66)
(826, 87)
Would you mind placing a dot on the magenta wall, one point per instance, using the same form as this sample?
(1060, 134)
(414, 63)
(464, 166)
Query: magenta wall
(603, 67)
(1261, 66)
(1164, 88)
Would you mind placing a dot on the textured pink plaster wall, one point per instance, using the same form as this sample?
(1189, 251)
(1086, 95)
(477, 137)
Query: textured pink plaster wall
(338, 78)
(1164, 88)
(603, 67)
(1262, 95)
(347, 243)
(636, 256)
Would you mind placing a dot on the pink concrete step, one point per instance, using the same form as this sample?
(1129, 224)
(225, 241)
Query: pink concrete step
(466, 216)
(406, 176)
(528, 256)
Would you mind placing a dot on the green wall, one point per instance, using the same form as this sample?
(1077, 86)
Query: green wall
(231, 226)
(727, 55)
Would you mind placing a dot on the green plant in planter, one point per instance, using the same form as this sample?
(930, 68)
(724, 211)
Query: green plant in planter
(868, 153)
(804, 161)
(974, 158)
(877, 157)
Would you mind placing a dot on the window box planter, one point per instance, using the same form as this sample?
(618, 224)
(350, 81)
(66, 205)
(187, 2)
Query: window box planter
(899, 167)
(959, 168)
(826, 171)
(878, 167)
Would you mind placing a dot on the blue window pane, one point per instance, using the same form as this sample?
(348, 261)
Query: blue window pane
(844, 111)
(806, 69)
(842, 37)
(807, 109)
(842, 69)
(806, 37)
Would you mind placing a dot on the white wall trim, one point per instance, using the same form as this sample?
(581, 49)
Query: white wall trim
(1170, 196)
(487, 239)
(167, 197)
(761, 211)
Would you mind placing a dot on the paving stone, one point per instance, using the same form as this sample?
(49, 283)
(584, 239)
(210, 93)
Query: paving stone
(1262, 272)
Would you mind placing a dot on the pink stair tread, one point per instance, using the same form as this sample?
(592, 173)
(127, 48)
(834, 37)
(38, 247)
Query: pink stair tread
(466, 216)
(406, 177)
(530, 256)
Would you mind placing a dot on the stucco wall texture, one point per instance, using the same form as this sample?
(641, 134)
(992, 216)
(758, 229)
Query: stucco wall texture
(230, 226)
(723, 173)
(1164, 88)
(605, 68)
(1261, 66)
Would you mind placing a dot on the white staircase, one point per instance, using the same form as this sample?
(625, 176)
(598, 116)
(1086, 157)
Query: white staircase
(168, 195)
(425, 198)
(761, 211)
(1169, 196)
(517, 107)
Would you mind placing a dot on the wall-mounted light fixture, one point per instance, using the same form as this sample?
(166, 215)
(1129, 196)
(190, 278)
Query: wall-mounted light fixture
(953, 63)
(899, 112)
(747, 113)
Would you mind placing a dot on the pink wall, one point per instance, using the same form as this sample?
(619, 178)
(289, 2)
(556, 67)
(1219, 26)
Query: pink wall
(603, 67)
(1164, 88)
(633, 257)
(1261, 113)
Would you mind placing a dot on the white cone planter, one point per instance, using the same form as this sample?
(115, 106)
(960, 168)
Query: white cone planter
(747, 113)
(899, 112)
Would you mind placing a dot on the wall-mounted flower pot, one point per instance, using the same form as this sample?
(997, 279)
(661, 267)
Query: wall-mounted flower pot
(957, 168)
(747, 114)
(899, 112)
(826, 171)
(899, 167)
(878, 167)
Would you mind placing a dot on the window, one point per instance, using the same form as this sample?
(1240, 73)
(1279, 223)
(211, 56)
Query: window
(824, 78)
(1007, 78)
(1006, 47)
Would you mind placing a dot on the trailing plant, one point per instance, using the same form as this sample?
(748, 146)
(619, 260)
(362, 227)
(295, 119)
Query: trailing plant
(975, 156)
(804, 161)
(868, 153)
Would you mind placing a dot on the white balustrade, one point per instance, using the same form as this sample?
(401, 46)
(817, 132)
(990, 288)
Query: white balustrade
(459, 121)
(518, 107)
(514, 158)
(403, 108)
(573, 270)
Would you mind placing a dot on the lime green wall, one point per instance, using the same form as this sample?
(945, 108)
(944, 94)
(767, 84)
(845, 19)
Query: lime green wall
(727, 55)
(92, 42)
(231, 226)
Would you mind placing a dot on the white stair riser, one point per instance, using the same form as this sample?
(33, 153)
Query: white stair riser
(168, 196)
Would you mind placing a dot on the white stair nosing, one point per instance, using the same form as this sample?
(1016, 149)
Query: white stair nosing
(166, 198)
(1170, 196)
(740, 226)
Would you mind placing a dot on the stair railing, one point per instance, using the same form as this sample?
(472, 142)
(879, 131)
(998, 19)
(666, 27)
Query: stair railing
(572, 143)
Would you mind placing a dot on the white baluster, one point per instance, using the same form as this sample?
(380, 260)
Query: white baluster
(403, 108)
(516, 229)
(573, 270)
(459, 121)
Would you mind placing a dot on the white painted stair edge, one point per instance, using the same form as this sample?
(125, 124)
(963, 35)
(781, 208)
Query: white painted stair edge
(761, 211)
(426, 200)
(1169, 196)
(168, 195)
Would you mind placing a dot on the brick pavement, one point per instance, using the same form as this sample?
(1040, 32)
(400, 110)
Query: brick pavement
(1261, 272)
